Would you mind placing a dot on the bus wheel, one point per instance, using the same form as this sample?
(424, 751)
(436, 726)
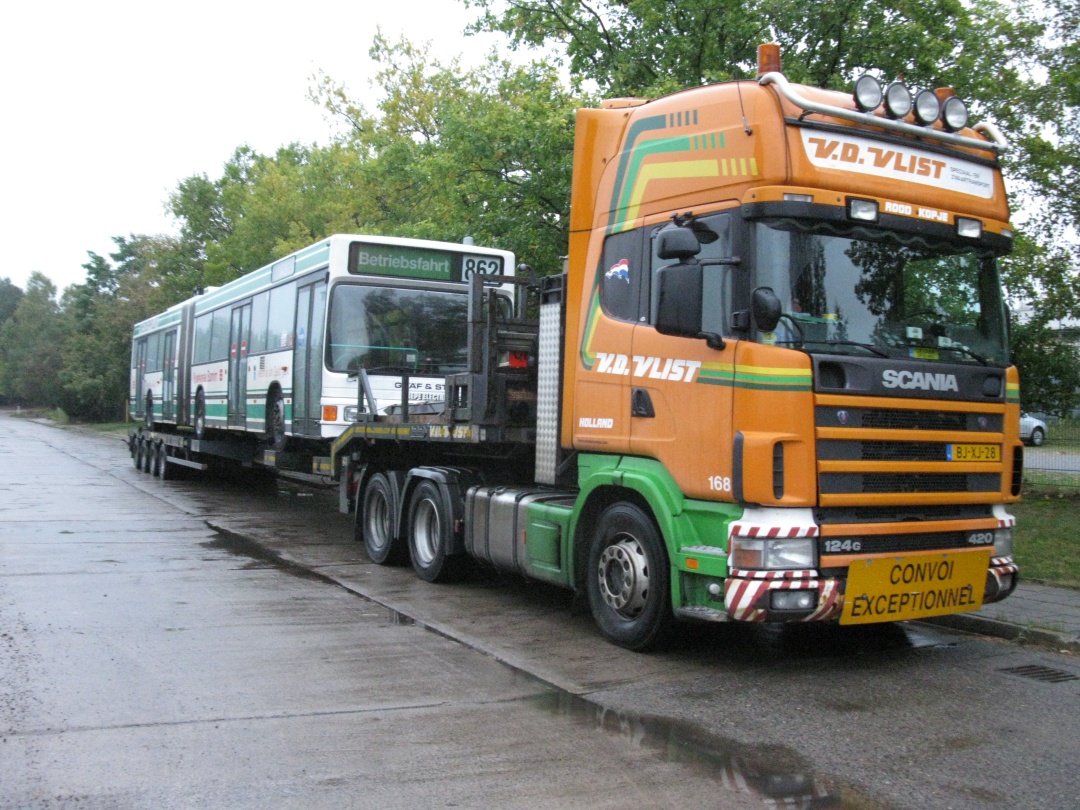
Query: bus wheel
(200, 415)
(628, 578)
(430, 528)
(375, 522)
(275, 420)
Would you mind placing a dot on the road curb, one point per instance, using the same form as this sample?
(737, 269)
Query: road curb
(980, 625)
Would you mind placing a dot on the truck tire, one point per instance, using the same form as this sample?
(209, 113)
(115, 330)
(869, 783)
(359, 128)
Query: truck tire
(430, 530)
(628, 579)
(200, 415)
(375, 522)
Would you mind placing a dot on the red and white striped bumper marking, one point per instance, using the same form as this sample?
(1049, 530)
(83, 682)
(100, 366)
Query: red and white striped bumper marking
(746, 593)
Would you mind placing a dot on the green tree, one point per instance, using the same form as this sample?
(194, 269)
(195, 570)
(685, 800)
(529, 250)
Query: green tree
(450, 153)
(10, 295)
(32, 345)
(145, 275)
(1049, 369)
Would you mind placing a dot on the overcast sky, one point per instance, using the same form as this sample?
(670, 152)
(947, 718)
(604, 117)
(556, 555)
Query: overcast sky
(107, 105)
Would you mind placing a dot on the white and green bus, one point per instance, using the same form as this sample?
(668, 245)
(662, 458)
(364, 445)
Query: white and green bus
(277, 352)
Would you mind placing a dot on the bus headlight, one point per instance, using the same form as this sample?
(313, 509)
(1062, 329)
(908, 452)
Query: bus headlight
(773, 553)
(1003, 542)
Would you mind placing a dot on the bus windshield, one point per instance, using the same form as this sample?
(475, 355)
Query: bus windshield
(391, 330)
(863, 290)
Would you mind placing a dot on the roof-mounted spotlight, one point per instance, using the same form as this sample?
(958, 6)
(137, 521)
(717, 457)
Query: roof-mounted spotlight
(867, 93)
(954, 114)
(897, 100)
(927, 107)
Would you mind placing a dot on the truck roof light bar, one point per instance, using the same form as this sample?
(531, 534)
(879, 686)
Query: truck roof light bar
(995, 142)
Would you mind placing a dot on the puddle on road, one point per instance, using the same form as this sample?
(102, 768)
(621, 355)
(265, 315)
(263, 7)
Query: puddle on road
(769, 776)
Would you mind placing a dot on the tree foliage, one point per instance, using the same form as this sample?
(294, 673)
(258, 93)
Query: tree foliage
(32, 344)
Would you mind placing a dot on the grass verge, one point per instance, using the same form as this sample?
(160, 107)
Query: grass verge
(1047, 543)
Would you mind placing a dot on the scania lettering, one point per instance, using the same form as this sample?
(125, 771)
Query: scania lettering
(771, 384)
(925, 380)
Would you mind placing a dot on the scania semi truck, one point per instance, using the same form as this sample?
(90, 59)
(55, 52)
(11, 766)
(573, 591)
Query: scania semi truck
(770, 384)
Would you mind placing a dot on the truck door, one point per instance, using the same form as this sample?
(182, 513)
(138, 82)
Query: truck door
(308, 360)
(238, 350)
(682, 396)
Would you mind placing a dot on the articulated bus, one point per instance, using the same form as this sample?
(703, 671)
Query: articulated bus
(277, 351)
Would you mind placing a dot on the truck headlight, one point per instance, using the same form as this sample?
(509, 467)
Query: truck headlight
(1003, 542)
(774, 553)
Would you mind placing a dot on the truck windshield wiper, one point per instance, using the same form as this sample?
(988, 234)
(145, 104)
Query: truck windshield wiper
(864, 346)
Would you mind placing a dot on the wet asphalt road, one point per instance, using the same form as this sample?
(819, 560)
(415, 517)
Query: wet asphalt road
(202, 643)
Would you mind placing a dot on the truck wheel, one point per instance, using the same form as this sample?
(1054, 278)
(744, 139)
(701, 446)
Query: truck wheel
(375, 522)
(430, 533)
(628, 578)
(200, 415)
(275, 420)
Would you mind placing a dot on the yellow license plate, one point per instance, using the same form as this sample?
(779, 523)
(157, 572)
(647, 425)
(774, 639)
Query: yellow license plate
(889, 589)
(974, 452)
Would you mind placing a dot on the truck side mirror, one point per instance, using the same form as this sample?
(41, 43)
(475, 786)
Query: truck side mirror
(679, 300)
(675, 242)
(765, 307)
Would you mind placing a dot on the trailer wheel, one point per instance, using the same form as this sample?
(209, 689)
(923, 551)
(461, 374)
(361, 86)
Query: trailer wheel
(149, 409)
(275, 420)
(156, 461)
(168, 471)
(628, 578)
(430, 528)
(200, 415)
(375, 523)
(137, 452)
(147, 456)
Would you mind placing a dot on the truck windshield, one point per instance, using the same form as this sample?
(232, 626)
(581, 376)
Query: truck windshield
(392, 330)
(859, 290)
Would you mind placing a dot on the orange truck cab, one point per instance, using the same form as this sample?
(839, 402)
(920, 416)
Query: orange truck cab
(786, 355)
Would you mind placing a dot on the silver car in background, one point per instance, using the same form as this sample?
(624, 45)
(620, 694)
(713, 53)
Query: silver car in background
(1032, 430)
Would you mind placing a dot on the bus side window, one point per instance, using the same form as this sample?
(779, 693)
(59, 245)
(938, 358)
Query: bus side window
(280, 318)
(260, 319)
(202, 338)
(219, 336)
